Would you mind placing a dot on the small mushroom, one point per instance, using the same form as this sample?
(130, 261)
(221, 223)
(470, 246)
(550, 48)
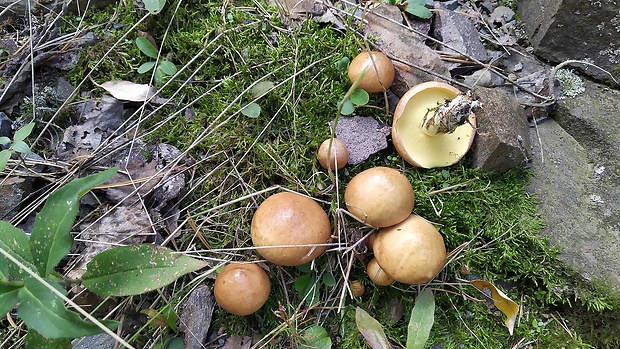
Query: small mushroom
(291, 223)
(434, 125)
(412, 252)
(379, 196)
(241, 289)
(333, 154)
(377, 275)
(379, 71)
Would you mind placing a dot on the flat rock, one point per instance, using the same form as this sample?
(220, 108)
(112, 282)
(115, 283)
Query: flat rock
(566, 183)
(12, 191)
(502, 138)
(395, 40)
(572, 29)
(457, 31)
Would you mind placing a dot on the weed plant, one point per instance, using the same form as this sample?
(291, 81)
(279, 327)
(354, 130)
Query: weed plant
(222, 50)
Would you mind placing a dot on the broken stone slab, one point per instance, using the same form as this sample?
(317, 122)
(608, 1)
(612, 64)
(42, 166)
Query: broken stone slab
(560, 30)
(196, 317)
(591, 118)
(502, 137)
(568, 185)
(395, 40)
(456, 30)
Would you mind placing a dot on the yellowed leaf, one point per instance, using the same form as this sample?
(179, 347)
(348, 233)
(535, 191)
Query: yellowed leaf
(501, 301)
(157, 318)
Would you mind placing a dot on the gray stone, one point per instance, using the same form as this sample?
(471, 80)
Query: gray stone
(196, 317)
(98, 341)
(397, 41)
(458, 32)
(363, 136)
(502, 138)
(502, 15)
(6, 126)
(12, 191)
(560, 30)
(565, 182)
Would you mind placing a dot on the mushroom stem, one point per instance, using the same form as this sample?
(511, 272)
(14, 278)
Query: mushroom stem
(447, 117)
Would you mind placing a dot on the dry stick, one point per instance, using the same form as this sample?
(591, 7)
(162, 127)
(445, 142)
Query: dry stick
(65, 298)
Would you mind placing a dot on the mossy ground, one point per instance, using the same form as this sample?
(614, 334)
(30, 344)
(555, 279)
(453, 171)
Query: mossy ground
(223, 50)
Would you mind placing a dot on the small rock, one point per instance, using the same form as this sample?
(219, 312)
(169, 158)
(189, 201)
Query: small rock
(458, 32)
(196, 317)
(502, 139)
(98, 341)
(363, 136)
(502, 15)
(12, 191)
(6, 126)
(64, 90)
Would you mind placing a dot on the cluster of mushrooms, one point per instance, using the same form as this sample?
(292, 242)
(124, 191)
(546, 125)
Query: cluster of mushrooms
(433, 126)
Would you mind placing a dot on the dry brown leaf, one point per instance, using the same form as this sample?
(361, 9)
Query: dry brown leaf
(128, 91)
(501, 301)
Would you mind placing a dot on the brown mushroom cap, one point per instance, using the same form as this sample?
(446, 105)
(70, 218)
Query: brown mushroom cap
(372, 80)
(338, 157)
(379, 196)
(377, 275)
(241, 289)
(290, 219)
(412, 252)
(419, 148)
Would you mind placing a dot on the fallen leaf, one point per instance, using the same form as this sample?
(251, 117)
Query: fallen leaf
(237, 342)
(422, 319)
(128, 91)
(371, 330)
(501, 301)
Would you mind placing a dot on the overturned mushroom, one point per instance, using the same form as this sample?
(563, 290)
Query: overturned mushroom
(434, 125)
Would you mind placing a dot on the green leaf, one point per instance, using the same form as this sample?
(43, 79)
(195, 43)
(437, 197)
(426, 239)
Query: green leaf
(159, 76)
(154, 6)
(418, 9)
(343, 64)
(167, 67)
(305, 268)
(251, 110)
(175, 343)
(315, 337)
(5, 155)
(15, 242)
(8, 297)
(21, 147)
(145, 67)
(34, 340)
(4, 140)
(347, 107)
(45, 312)
(359, 97)
(51, 236)
(422, 318)
(146, 47)
(371, 330)
(132, 270)
(328, 279)
(307, 288)
(261, 88)
(23, 132)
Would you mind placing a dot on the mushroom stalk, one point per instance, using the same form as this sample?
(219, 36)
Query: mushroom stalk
(447, 117)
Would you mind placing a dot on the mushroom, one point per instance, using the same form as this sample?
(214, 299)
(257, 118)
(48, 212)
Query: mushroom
(333, 154)
(242, 289)
(434, 125)
(377, 275)
(379, 196)
(291, 223)
(377, 76)
(412, 252)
